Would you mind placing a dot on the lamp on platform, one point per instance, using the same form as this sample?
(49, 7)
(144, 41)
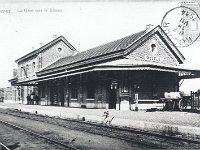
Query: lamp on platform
(114, 85)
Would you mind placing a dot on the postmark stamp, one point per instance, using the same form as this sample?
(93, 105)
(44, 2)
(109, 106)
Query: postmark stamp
(182, 25)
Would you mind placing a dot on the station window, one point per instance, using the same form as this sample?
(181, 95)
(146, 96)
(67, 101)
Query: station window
(43, 92)
(125, 83)
(59, 50)
(90, 90)
(21, 71)
(124, 88)
(153, 48)
(74, 91)
(27, 70)
(33, 67)
(39, 66)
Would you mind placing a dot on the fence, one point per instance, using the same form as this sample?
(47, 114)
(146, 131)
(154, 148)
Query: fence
(195, 100)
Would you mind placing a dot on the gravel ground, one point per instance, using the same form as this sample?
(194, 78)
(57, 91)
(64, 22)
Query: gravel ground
(85, 140)
(78, 139)
(15, 139)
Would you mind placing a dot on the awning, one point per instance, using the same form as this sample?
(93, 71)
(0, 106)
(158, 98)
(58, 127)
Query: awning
(183, 72)
(129, 64)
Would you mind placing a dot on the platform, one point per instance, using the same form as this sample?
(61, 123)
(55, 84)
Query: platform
(183, 123)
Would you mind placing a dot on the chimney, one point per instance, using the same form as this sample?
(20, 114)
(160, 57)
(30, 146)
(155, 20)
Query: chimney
(14, 73)
(149, 27)
(54, 37)
(41, 44)
(79, 46)
(74, 53)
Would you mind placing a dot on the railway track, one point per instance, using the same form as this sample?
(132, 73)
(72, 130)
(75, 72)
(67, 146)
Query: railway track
(3, 147)
(129, 135)
(35, 134)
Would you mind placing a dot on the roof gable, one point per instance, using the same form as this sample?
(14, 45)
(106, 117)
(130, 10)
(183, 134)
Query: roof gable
(44, 47)
(164, 38)
(154, 50)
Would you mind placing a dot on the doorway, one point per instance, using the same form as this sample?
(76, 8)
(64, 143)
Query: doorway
(53, 96)
(61, 92)
(112, 99)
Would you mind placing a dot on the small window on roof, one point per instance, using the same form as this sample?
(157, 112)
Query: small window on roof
(60, 50)
(153, 48)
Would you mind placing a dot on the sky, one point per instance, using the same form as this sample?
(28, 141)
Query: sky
(85, 24)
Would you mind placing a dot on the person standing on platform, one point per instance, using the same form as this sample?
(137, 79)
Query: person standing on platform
(37, 99)
(28, 99)
(32, 98)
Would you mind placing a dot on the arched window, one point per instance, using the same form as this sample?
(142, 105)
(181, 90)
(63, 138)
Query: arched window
(59, 50)
(33, 67)
(153, 48)
(27, 70)
(21, 71)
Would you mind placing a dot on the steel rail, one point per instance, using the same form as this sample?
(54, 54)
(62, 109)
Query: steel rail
(137, 131)
(116, 128)
(76, 127)
(38, 135)
(4, 147)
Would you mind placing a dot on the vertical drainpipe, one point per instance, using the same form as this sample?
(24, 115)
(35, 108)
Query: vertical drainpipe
(81, 89)
(119, 98)
(177, 80)
(136, 101)
(68, 92)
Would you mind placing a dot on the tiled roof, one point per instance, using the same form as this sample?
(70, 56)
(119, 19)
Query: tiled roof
(107, 48)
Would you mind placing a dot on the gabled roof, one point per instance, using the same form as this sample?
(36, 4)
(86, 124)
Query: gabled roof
(44, 47)
(111, 50)
(98, 51)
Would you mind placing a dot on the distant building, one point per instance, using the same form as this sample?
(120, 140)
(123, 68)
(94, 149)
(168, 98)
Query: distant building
(8, 93)
(1, 94)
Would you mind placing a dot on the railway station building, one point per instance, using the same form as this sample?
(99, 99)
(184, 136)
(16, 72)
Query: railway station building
(140, 66)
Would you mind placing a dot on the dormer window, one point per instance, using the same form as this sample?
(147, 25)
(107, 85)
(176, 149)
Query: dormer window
(153, 48)
(60, 50)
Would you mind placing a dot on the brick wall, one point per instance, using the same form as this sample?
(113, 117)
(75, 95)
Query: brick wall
(162, 52)
(42, 60)
(52, 54)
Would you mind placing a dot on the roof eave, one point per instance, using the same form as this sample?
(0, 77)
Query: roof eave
(110, 56)
(172, 45)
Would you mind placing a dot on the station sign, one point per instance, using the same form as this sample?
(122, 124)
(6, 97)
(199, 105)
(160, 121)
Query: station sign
(153, 58)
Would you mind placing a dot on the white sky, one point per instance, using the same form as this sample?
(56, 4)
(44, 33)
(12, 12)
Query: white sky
(88, 23)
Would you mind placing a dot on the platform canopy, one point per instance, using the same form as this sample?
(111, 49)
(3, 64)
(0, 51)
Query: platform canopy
(121, 65)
